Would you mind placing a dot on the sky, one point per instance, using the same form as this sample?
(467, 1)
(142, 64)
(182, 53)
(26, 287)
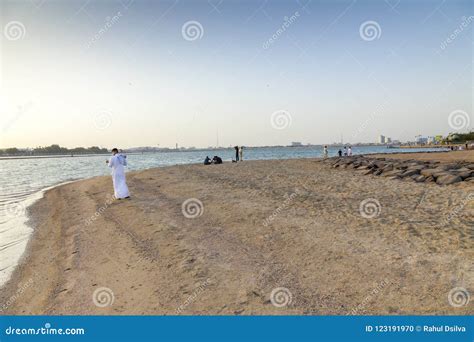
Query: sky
(155, 73)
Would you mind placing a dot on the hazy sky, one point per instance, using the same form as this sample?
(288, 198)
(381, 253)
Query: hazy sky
(135, 73)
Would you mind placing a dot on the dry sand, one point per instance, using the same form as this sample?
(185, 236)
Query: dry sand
(265, 224)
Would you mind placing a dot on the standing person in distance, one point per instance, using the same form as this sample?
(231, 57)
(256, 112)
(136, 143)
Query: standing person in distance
(117, 163)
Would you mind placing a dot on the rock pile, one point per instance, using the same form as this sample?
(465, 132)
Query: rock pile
(416, 170)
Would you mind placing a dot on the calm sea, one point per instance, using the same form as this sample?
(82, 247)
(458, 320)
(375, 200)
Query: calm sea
(24, 181)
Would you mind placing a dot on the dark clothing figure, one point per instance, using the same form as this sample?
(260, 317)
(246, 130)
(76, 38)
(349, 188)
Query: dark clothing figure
(236, 153)
(217, 160)
(340, 153)
(207, 161)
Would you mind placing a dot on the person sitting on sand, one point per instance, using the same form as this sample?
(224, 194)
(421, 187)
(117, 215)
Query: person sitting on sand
(117, 163)
(217, 160)
(207, 161)
(241, 153)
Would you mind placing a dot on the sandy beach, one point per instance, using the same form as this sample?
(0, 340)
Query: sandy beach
(262, 226)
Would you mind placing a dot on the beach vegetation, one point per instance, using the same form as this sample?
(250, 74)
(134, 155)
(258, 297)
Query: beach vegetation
(460, 137)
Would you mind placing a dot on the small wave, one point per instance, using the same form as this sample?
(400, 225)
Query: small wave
(15, 232)
(12, 243)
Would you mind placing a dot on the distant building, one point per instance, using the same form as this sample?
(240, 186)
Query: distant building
(296, 143)
(420, 140)
(389, 140)
(382, 139)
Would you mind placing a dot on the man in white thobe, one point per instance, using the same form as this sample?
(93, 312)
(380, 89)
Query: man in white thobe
(117, 163)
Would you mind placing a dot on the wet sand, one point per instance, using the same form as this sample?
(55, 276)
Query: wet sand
(262, 226)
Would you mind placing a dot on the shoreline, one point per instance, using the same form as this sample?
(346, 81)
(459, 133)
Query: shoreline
(27, 219)
(44, 212)
(434, 149)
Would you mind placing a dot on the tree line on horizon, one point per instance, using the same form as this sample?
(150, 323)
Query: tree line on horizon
(53, 149)
(460, 137)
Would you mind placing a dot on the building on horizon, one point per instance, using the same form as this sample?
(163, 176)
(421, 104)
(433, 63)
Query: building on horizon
(382, 139)
(421, 140)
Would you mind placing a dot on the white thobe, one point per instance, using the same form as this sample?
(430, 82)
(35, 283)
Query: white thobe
(118, 176)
